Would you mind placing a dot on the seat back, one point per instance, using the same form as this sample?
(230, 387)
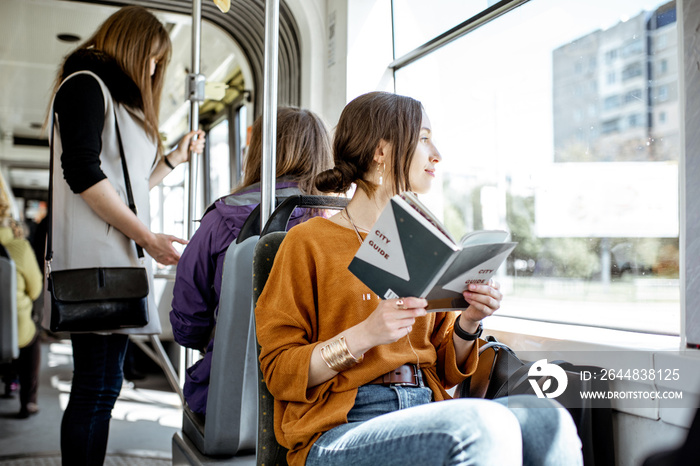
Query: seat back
(280, 216)
(269, 451)
(230, 426)
(9, 348)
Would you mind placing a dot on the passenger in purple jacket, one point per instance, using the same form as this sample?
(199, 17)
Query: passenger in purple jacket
(303, 150)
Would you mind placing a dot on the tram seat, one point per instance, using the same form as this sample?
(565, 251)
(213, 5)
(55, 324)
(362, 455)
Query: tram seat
(9, 348)
(229, 430)
(228, 435)
(269, 451)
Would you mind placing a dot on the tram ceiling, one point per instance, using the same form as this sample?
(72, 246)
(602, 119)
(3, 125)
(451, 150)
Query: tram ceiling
(30, 52)
(245, 22)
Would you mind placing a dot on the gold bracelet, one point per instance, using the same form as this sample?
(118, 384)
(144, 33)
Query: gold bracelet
(337, 355)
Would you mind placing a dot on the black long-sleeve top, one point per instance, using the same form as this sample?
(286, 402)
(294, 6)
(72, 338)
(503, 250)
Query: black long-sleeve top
(80, 107)
(79, 104)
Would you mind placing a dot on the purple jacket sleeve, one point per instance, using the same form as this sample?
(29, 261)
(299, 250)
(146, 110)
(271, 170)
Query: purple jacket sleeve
(194, 296)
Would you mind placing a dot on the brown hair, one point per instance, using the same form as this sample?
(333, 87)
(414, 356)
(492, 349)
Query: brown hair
(132, 36)
(365, 121)
(303, 149)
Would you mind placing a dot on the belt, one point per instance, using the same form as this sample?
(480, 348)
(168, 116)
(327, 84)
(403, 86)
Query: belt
(407, 375)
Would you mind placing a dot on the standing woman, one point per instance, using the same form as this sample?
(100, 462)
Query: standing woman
(359, 380)
(111, 83)
(29, 282)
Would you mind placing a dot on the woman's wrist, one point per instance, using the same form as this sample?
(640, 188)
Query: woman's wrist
(338, 356)
(168, 163)
(176, 156)
(467, 330)
(358, 342)
(146, 238)
(467, 325)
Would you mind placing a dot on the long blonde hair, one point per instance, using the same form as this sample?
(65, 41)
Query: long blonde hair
(132, 36)
(303, 149)
(6, 219)
(5, 207)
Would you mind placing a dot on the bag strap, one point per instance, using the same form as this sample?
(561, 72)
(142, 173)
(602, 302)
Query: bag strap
(127, 181)
(496, 345)
(489, 342)
(517, 378)
(522, 374)
(129, 194)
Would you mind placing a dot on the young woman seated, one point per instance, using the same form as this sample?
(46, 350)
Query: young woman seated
(359, 380)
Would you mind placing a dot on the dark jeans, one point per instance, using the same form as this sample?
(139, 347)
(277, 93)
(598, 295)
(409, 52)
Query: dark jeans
(97, 380)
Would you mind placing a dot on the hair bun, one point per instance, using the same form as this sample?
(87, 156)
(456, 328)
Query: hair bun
(336, 180)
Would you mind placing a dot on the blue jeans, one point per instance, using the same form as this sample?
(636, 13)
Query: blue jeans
(400, 426)
(97, 380)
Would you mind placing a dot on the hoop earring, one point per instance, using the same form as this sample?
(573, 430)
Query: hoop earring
(381, 174)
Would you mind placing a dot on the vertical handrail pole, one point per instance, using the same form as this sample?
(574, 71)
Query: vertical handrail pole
(234, 136)
(269, 126)
(195, 94)
(194, 110)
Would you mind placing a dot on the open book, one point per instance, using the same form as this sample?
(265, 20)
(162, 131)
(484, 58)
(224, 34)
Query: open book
(408, 252)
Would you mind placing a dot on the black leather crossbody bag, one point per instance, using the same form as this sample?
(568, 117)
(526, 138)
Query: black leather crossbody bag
(98, 298)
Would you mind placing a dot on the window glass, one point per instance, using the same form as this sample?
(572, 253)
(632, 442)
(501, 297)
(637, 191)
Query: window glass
(168, 206)
(573, 170)
(418, 21)
(220, 163)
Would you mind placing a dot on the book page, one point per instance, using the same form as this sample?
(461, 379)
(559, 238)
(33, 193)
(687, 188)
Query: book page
(484, 237)
(412, 200)
(480, 274)
(476, 263)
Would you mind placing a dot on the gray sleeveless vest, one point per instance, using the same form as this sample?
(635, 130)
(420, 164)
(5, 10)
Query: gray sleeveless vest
(81, 238)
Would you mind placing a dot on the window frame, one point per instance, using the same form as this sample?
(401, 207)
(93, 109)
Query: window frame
(689, 169)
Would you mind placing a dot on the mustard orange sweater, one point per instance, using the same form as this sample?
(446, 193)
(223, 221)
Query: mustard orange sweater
(311, 296)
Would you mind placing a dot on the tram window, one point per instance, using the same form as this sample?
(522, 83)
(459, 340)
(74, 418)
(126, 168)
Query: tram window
(220, 165)
(168, 207)
(595, 211)
(416, 22)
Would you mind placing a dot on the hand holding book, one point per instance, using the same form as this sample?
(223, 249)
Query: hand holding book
(392, 320)
(482, 300)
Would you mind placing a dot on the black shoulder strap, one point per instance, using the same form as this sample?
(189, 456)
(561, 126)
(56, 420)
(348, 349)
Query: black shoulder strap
(49, 250)
(127, 181)
(129, 194)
